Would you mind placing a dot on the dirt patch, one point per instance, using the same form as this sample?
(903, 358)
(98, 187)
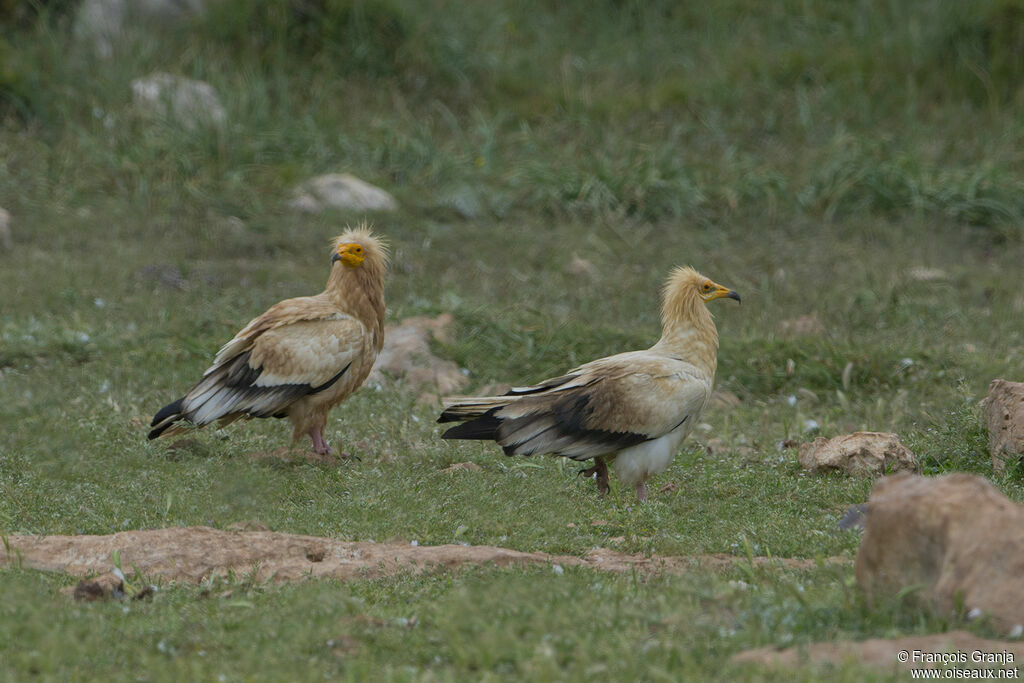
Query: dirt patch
(194, 553)
(881, 653)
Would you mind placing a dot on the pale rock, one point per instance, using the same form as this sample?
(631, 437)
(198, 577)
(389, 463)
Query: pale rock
(462, 467)
(341, 191)
(191, 103)
(1004, 416)
(406, 356)
(926, 274)
(859, 454)
(580, 267)
(955, 538)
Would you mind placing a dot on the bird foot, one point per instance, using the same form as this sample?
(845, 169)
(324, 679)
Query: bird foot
(600, 471)
(641, 492)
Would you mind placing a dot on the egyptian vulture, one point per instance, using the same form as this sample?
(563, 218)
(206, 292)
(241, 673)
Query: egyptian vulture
(632, 409)
(302, 357)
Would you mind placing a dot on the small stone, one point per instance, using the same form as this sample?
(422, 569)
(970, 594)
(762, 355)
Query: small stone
(580, 267)
(669, 487)
(462, 467)
(102, 587)
(854, 517)
(859, 454)
(802, 326)
(926, 274)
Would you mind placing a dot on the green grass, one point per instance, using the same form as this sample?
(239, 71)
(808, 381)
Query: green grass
(810, 155)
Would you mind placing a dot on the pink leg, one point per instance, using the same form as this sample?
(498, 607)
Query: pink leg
(320, 445)
(641, 491)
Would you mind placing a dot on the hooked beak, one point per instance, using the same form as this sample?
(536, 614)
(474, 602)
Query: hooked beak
(733, 295)
(336, 257)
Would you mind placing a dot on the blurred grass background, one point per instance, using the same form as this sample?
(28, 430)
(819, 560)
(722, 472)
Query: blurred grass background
(860, 163)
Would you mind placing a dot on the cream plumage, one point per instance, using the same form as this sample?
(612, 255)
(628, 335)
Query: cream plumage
(300, 358)
(632, 409)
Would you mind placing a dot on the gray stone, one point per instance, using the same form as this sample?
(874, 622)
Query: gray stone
(341, 191)
(189, 102)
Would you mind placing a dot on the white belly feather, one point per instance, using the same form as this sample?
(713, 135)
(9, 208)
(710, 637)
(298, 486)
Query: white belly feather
(637, 463)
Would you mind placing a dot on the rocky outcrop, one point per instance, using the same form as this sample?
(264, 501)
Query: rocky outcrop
(956, 539)
(861, 454)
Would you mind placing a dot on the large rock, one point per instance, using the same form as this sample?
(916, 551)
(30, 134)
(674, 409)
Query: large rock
(1004, 413)
(341, 191)
(191, 103)
(955, 538)
(861, 454)
(406, 356)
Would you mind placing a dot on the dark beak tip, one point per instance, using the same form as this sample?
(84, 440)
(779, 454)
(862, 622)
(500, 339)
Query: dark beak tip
(336, 257)
(734, 295)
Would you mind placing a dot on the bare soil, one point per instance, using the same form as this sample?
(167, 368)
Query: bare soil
(194, 553)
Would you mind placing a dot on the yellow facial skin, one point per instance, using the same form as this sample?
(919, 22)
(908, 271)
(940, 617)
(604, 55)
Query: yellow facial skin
(709, 291)
(351, 254)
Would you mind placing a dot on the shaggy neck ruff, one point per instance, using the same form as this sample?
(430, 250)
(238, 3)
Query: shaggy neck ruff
(688, 329)
(359, 290)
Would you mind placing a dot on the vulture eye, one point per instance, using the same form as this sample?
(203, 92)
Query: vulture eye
(706, 287)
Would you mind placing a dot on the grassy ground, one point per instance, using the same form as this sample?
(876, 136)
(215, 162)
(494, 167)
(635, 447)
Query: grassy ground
(813, 156)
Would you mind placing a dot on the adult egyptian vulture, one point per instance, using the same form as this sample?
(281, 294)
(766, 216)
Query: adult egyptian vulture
(631, 410)
(302, 357)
